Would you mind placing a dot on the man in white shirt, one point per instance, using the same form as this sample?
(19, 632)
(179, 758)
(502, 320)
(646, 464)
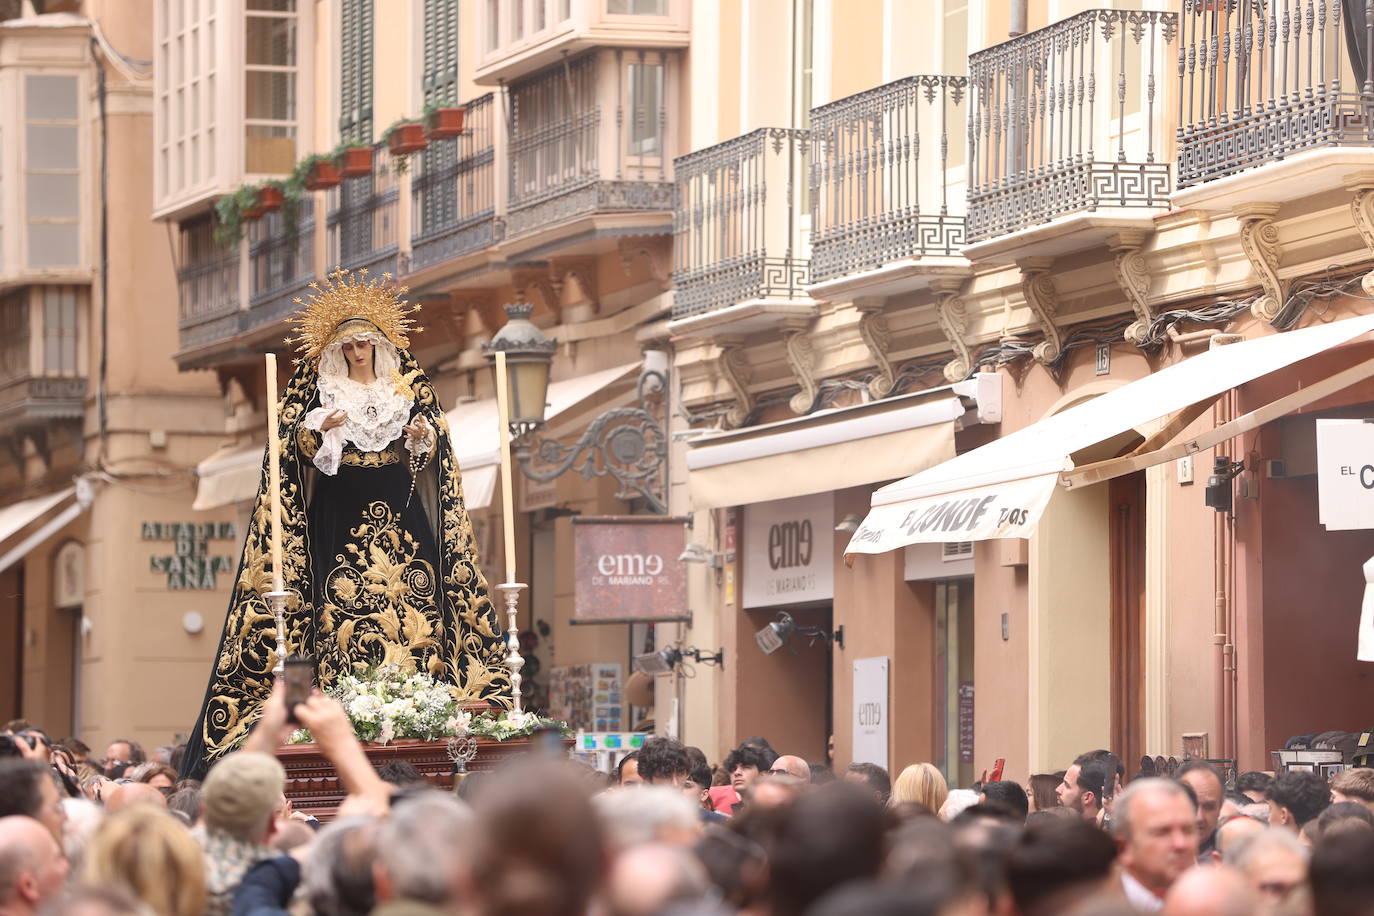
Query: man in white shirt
(1155, 826)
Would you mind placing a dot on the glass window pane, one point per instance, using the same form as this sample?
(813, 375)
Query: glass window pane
(51, 98)
(54, 244)
(269, 149)
(270, 41)
(270, 96)
(646, 100)
(493, 24)
(637, 7)
(54, 196)
(276, 6)
(52, 146)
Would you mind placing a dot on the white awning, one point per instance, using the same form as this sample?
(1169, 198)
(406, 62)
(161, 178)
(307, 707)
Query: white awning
(1001, 489)
(51, 513)
(232, 474)
(229, 476)
(839, 448)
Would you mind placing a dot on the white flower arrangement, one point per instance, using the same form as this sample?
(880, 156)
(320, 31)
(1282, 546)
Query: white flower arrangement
(387, 703)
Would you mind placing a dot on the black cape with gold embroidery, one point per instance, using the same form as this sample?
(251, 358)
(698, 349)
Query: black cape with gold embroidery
(377, 575)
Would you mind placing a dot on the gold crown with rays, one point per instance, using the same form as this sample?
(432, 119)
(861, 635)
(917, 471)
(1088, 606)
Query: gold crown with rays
(344, 296)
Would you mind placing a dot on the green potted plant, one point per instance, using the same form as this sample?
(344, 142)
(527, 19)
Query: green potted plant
(270, 196)
(232, 211)
(444, 122)
(316, 172)
(354, 159)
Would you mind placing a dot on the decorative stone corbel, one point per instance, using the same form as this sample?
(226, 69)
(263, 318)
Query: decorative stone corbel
(536, 279)
(876, 336)
(1362, 211)
(796, 341)
(1259, 238)
(1038, 288)
(655, 250)
(734, 368)
(489, 313)
(1133, 276)
(580, 270)
(953, 317)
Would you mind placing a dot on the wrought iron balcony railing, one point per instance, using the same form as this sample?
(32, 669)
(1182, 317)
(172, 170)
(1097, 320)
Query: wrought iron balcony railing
(41, 379)
(737, 229)
(207, 284)
(565, 161)
(453, 189)
(281, 252)
(1067, 119)
(1261, 80)
(882, 163)
(362, 219)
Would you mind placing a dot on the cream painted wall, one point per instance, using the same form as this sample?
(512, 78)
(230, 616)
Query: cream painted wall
(1070, 621)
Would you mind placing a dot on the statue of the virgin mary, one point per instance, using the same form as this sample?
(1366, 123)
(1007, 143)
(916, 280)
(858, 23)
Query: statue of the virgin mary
(378, 550)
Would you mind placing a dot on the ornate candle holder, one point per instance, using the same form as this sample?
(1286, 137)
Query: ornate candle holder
(461, 750)
(277, 602)
(511, 592)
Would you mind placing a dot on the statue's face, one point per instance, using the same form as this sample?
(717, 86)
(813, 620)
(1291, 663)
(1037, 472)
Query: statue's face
(358, 354)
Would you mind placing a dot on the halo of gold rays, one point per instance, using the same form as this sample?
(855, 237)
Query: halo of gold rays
(345, 295)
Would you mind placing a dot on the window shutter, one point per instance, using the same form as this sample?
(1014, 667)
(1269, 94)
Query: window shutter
(440, 76)
(355, 71)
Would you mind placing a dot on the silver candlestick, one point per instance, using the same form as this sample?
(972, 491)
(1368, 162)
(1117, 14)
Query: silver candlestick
(277, 602)
(514, 661)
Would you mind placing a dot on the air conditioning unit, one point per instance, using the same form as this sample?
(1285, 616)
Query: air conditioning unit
(953, 551)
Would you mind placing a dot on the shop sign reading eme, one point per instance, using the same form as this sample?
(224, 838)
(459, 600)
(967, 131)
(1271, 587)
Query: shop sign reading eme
(629, 569)
(190, 565)
(789, 553)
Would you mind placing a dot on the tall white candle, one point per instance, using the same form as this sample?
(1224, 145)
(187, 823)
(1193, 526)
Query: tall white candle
(274, 470)
(507, 475)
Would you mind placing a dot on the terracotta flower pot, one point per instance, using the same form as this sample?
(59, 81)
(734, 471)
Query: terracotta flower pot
(355, 162)
(269, 199)
(253, 214)
(324, 175)
(447, 123)
(405, 139)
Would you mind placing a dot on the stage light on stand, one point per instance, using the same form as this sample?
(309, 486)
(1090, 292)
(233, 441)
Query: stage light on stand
(665, 661)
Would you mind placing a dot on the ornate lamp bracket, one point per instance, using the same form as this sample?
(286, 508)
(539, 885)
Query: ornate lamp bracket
(1362, 211)
(876, 336)
(1259, 238)
(629, 444)
(734, 368)
(796, 340)
(1133, 276)
(952, 314)
(1043, 301)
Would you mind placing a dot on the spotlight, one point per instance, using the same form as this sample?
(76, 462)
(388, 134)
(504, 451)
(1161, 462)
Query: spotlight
(664, 661)
(696, 553)
(849, 524)
(779, 632)
(1218, 494)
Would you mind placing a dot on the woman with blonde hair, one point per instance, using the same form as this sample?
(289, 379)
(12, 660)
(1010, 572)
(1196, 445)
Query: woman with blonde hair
(148, 852)
(920, 782)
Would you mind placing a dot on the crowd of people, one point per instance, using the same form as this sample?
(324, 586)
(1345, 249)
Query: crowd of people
(666, 833)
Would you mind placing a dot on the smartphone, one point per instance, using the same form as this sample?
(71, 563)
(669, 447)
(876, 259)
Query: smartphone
(1113, 763)
(299, 674)
(997, 767)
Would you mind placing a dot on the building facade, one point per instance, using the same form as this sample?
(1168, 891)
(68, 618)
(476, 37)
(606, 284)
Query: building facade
(907, 237)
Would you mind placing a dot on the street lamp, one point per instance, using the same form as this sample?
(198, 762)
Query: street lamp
(627, 443)
(529, 354)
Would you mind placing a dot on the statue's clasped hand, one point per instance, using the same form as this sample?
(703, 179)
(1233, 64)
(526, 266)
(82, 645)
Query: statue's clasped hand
(419, 430)
(334, 420)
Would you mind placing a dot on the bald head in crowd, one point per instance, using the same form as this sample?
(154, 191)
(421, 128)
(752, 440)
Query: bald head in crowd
(32, 866)
(792, 766)
(133, 793)
(1211, 891)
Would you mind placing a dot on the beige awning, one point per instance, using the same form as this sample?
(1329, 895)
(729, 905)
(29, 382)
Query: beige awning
(835, 449)
(1001, 489)
(479, 486)
(26, 524)
(229, 476)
